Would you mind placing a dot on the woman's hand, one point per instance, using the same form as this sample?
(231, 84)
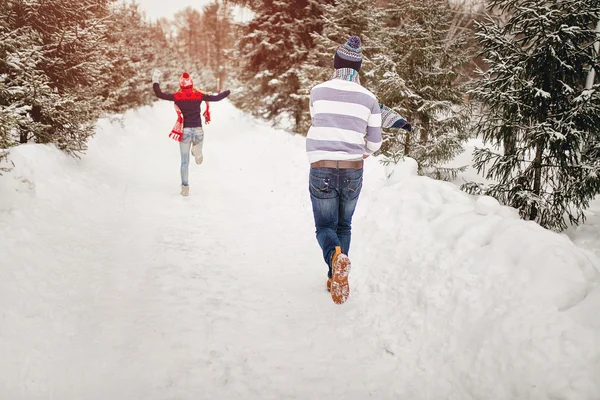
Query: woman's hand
(156, 76)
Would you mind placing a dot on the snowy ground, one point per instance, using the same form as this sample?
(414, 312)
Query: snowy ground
(112, 286)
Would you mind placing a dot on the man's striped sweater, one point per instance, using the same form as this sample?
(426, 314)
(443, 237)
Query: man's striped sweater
(346, 119)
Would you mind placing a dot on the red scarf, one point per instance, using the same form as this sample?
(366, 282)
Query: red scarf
(195, 94)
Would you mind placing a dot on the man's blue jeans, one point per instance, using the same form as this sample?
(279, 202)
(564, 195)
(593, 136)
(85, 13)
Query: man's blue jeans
(190, 135)
(334, 193)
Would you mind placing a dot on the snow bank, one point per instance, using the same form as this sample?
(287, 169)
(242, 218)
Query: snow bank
(587, 235)
(463, 287)
(35, 164)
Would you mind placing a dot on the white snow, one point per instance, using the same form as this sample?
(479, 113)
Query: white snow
(487, 205)
(587, 235)
(402, 170)
(112, 286)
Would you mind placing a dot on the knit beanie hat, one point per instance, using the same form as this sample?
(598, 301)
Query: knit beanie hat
(186, 82)
(349, 55)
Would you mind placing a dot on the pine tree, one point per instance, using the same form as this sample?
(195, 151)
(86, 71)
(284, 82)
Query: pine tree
(217, 24)
(65, 63)
(13, 110)
(538, 109)
(417, 75)
(134, 48)
(52, 62)
(188, 25)
(272, 49)
(20, 79)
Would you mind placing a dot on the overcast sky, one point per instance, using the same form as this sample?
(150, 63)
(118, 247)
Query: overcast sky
(164, 8)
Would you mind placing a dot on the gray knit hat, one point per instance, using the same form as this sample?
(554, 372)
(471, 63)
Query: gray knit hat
(349, 55)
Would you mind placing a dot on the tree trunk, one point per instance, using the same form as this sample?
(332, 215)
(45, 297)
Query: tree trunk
(407, 144)
(298, 116)
(424, 132)
(509, 146)
(537, 178)
(36, 116)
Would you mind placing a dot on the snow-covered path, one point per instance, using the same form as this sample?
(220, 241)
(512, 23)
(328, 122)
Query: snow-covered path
(113, 286)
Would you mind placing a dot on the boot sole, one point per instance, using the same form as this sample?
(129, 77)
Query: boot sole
(340, 289)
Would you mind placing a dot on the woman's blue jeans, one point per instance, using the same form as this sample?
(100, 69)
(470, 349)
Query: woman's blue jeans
(190, 136)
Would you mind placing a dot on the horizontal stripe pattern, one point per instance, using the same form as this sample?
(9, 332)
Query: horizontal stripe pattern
(346, 122)
(374, 120)
(348, 109)
(373, 134)
(343, 96)
(331, 145)
(348, 86)
(337, 134)
(338, 121)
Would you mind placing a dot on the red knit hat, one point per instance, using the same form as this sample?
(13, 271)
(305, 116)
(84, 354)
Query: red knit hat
(186, 82)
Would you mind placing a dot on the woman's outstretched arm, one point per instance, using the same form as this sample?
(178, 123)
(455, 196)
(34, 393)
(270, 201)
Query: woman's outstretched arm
(156, 86)
(160, 94)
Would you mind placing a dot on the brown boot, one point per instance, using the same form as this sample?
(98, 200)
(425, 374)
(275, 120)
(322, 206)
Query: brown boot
(185, 190)
(340, 265)
(329, 284)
